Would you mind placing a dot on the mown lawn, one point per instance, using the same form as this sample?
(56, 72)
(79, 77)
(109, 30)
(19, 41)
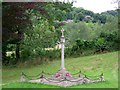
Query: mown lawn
(90, 65)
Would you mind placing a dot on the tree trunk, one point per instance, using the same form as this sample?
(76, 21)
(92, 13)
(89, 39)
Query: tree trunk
(19, 38)
(17, 51)
(4, 58)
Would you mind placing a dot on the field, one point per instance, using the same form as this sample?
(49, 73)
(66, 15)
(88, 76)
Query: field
(93, 65)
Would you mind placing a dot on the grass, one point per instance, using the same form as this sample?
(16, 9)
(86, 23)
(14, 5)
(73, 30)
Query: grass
(90, 65)
(28, 85)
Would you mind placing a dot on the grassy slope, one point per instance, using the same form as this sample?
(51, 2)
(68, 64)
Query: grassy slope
(90, 65)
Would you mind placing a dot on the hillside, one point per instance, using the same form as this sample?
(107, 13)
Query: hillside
(81, 14)
(90, 65)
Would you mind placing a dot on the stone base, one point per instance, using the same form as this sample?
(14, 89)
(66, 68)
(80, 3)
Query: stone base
(63, 78)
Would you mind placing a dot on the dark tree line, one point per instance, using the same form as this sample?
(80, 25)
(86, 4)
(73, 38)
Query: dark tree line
(80, 14)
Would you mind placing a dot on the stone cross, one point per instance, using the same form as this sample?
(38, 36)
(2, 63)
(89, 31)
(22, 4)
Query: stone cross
(62, 49)
(62, 31)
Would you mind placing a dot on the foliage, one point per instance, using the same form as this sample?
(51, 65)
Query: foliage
(97, 37)
(31, 24)
(89, 33)
(80, 14)
(13, 31)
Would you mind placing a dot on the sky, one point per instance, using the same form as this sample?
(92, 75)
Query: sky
(97, 6)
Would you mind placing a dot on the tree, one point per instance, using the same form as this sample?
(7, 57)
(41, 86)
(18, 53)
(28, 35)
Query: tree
(20, 15)
(79, 17)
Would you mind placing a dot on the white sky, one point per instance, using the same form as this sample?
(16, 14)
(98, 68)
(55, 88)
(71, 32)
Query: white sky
(96, 6)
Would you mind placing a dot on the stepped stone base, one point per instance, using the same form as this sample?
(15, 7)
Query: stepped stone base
(62, 78)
